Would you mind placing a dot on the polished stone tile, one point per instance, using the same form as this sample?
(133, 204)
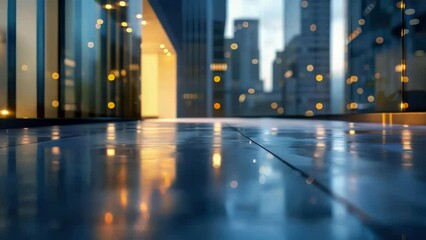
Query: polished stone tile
(213, 179)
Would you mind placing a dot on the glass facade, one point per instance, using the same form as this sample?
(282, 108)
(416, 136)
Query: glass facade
(72, 58)
(215, 58)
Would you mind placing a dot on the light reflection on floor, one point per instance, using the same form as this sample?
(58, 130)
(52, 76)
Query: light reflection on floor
(214, 179)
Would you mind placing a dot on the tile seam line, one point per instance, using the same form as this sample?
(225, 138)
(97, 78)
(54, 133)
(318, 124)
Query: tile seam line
(357, 212)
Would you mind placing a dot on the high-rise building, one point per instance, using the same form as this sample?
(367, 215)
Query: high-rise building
(197, 31)
(244, 63)
(378, 78)
(306, 58)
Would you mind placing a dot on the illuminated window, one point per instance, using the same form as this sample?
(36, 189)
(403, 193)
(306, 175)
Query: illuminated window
(55, 76)
(219, 67)
(111, 77)
(55, 103)
(111, 105)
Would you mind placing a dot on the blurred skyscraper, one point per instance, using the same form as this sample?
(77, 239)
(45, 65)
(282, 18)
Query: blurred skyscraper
(197, 31)
(243, 54)
(304, 67)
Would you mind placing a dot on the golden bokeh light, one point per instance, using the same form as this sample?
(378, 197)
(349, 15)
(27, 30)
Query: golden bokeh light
(217, 106)
(111, 77)
(319, 106)
(217, 79)
(55, 103)
(111, 105)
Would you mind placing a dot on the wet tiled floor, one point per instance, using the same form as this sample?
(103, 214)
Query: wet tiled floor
(214, 179)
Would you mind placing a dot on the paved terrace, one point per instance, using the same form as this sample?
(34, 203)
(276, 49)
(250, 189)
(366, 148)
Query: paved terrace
(214, 179)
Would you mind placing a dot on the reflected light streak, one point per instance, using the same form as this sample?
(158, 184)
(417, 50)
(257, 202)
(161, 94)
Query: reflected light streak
(110, 152)
(111, 131)
(123, 197)
(406, 140)
(217, 160)
(109, 218)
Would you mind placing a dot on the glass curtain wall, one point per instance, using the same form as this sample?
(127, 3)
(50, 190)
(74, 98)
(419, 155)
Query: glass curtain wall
(70, 58)
(386, 46)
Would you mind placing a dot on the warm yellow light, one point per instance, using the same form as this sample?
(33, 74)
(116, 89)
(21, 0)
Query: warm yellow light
(169, 54)
(353, 105)
(234, 46)
(122, 3)
(217, 106)
(370, 98)
(111, 77)
(360, 91)
(162, 46)
(139, 16)
(217, 160)
(353, 79)
(4, 112)
(400, 67)
(55, 76)
(352, 132)
(111, 105)
(319, 77)
(100, 21)
(123, 72)
(251, 91)
(55, 103)
(400, 4)
(129, 30)
(274, 105)
(309, 113)
(165, 50)
(109, 218)
(310, 68)
(405, 79)
(380, 40)
(143, 207)
(217, 79)
(144, 22)
(404, 105)
(108, 6)
(319, 106)
(280, 110)
(24, 67)
(110, 152)
(242, 98)
(124, 24)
